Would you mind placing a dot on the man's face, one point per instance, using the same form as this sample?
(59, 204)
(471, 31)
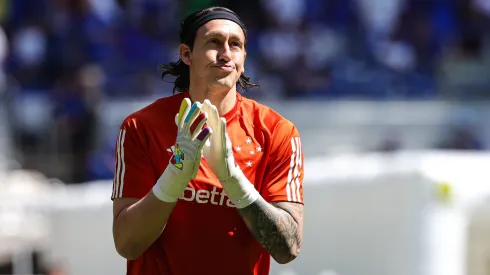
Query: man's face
(218, 57)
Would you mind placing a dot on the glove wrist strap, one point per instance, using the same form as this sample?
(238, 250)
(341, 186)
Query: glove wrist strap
(240, 191)
(157, 191)
(169, 186)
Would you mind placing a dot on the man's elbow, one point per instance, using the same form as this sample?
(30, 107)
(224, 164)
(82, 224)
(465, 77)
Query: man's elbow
(127, 250)
(286, 256)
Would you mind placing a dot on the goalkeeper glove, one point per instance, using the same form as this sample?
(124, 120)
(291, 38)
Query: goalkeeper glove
(219, 157)
(187, 152)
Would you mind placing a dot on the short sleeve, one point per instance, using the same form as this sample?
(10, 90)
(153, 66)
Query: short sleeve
(283, 179)
(134, 173)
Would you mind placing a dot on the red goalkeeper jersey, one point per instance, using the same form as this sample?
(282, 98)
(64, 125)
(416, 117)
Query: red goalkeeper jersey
(205, 233)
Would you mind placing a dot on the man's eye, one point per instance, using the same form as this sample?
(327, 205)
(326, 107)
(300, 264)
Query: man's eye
(213, 41)
(236, 44)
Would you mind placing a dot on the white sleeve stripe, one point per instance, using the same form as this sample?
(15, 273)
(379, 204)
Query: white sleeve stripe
(123, 172)
(290, 173)
(293, 184)
(119, 161)
(115, 186)
(298, 161)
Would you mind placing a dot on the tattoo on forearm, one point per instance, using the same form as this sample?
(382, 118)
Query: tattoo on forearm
(277, 227)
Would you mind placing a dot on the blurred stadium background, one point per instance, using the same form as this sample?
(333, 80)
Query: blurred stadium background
(391, 98)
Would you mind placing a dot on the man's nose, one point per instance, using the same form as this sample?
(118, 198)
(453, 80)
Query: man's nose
(225, 53)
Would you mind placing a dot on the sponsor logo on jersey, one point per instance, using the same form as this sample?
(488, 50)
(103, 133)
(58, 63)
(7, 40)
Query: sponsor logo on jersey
(204, 196)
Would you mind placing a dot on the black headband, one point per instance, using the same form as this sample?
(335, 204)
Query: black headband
(189, 30)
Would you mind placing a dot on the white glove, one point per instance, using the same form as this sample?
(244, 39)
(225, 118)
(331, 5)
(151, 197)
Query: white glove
(219, 157)
(187, 152)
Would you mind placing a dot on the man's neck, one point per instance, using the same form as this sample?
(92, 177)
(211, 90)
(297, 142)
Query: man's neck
(223, 100)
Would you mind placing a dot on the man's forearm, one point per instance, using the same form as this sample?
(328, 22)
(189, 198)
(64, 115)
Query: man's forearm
(137, 226)
(278, 227)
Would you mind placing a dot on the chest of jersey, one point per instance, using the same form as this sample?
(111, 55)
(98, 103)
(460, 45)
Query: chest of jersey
(248, 151)
(205, 209)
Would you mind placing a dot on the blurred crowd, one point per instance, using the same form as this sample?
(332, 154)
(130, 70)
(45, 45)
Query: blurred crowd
(71, 54)
(297, 48)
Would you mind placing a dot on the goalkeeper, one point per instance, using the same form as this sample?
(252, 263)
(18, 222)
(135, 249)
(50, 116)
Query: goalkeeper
(208, 181)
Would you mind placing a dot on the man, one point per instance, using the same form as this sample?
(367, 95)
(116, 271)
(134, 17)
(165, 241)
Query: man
(213, 186)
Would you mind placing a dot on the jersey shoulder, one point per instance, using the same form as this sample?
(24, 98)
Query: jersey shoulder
(161, 111)
(266, 117)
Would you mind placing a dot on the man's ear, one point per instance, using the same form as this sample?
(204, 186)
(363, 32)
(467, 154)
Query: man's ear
(185, 54)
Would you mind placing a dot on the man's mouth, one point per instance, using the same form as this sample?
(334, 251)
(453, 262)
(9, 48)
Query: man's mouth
(224, 67)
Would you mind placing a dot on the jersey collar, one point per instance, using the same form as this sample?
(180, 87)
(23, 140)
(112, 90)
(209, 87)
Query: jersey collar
(230, 114)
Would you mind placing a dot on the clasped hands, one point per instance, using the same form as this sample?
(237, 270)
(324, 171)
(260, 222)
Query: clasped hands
(201, 132)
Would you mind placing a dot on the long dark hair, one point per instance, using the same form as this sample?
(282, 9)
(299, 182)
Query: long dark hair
(180, 70)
